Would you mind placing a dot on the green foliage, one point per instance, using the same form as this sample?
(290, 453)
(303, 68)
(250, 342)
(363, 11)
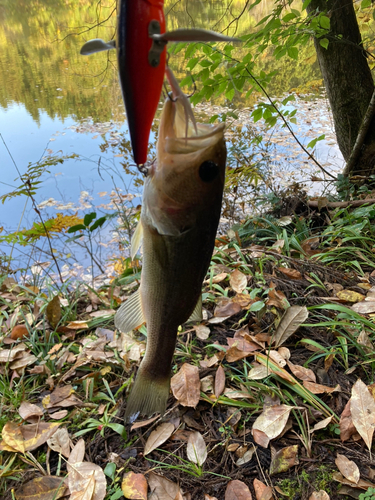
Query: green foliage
(87, 226)
(370, 493)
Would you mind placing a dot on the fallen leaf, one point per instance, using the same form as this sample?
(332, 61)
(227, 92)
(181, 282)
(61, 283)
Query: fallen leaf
(362, 408)
(277, 298)
(365, 307)
(202, 332)
(272, 421)
(227, 308)
(238, 281)
(302, 373)
(277, 358)
(362, 484)
(57, 415)
(59, 394)
(292, 319)
(161, 488)
(207, 383)
(158, 437)
(364, 340)
(258, 372)
(319, 495)
(77, 454)
(219, 381)
(246, 457)
(53, 311)
(262, 492)
(284, 459)
(77, 325)
(185, 385)
(28, 437)
(29, 410)
(60, 442)
(347, 468)
(237, 490)
(26, 359)
(321, 425)
(319, 388)
(19, 332)
(144, 423)
(293, 274)
(196, 449)
(86, 481)
(350, 296)
(347, 428)
(42, 488)
(134, 486)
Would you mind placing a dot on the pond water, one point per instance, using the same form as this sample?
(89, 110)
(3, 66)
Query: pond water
(55, 102)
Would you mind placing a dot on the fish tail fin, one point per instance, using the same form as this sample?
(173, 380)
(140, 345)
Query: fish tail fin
(149, 395)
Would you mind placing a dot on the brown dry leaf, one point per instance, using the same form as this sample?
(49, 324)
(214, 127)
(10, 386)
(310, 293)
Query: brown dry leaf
(289, 323)
(284, 459)
(362, 484)
(28, 437)
(202, 332)
(159, 436)
(277, 298)
(262, 492)
(347, 428)
(364, 340)
(29, 410)
(144, 423)
(362, 408)
(86, 481)
(77, 325)
(319, 388)
(8, 355)
(134, 486)
(293, 274)
(196, 448)
(60, 442)
(277, 358)
(319, 495)
(207, 383)
(59, 394)
(347, 468)
(302, 373)
(42, 488)
(365, 307)
(161, 488)
(244, 300)
(321, 425)
(227, 308)
(258, 372)
(238, 281)
(24, 360)
(240, 348)
(59, 414)
(237, 490)
(350, 296)
(219, 381)
(185, 385)
(19, 332)
(131, 346)
(77, 454)
(272, 421)
(53, 311)
(246, 457)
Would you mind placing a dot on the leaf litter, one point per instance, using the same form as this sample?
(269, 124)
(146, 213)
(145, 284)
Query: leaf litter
(218, 429)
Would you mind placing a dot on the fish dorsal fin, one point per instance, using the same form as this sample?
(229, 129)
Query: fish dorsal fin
(197, 313)
(136, 239)
(130, 315)
(96, 45)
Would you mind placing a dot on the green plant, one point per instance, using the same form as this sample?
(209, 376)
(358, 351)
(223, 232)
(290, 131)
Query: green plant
(368, 495)
(102, 424)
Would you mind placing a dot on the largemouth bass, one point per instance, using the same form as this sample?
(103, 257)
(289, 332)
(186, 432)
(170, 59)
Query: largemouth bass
(179, 219)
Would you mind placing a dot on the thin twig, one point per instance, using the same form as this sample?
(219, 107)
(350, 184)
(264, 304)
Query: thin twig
(27, 186)
(363, 129)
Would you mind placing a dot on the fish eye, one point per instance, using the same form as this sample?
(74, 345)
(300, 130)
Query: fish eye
(208, 171)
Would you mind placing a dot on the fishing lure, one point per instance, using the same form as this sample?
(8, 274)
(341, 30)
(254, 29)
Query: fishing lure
(141, 54)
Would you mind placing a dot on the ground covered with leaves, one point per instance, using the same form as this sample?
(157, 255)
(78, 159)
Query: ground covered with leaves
(272, 395)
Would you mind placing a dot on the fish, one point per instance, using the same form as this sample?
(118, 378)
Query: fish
(141, 56)
(180, 214)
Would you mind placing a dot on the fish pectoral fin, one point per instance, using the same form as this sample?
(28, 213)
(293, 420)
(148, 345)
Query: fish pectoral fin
(130, 314)
(197, 313)
(136, 240)
(96, 45)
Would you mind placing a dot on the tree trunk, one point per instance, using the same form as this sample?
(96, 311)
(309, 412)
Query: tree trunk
(348, 81)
